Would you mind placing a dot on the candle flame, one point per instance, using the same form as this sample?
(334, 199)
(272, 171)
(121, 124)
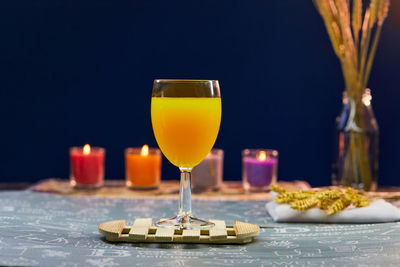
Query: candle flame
(262, 156)
(145, 150)
(86, 149)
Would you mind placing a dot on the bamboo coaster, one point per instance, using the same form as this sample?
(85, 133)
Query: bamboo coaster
(218, 232)
(142, 230)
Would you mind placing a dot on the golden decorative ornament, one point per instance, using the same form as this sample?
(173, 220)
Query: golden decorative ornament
(331, 200)
(304, 204)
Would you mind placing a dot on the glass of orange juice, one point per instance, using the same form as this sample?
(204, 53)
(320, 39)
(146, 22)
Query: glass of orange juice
(186, 116)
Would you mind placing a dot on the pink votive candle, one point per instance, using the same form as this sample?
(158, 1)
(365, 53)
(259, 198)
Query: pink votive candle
(207, 176)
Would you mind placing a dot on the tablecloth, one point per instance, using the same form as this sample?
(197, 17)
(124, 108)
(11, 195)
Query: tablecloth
(39, 229)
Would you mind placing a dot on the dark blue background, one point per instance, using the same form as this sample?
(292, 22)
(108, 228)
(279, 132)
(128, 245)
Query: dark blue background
(82, 73)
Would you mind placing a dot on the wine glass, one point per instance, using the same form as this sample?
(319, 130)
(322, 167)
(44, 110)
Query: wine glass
(186, 116)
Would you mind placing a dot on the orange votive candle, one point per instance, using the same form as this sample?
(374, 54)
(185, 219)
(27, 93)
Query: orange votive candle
(142, 167)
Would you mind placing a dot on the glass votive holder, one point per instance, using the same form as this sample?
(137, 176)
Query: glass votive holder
(143, 167)
(207, 176)
(260, 167)
(87, 167)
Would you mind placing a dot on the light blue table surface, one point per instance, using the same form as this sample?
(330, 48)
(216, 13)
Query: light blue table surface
(39, 229)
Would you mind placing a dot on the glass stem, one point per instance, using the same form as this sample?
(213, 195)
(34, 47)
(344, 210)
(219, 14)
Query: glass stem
(185, 204)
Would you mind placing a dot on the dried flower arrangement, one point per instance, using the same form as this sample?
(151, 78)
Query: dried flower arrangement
(354, 34)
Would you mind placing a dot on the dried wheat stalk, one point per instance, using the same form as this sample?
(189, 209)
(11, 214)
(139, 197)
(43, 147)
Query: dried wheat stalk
(351, 33)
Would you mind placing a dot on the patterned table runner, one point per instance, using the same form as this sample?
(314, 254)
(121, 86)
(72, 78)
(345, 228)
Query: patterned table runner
(167, 190)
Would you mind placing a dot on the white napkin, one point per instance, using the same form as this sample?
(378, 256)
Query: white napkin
(378, 211)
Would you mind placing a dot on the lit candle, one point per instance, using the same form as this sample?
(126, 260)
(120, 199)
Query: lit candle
(208, 174)
(259, 169)
(87, 166)
(143, 167)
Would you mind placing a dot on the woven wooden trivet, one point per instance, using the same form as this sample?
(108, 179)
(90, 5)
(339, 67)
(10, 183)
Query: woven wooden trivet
(142, 230)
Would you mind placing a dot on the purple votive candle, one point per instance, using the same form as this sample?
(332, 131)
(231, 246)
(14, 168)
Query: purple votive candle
(259, 169)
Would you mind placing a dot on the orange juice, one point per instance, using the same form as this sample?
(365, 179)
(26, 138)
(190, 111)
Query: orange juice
(185, 127)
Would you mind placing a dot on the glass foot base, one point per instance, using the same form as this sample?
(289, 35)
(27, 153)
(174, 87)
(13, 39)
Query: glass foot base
(184, 222)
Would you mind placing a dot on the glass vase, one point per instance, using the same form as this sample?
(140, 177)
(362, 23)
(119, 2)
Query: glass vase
(356, 144)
